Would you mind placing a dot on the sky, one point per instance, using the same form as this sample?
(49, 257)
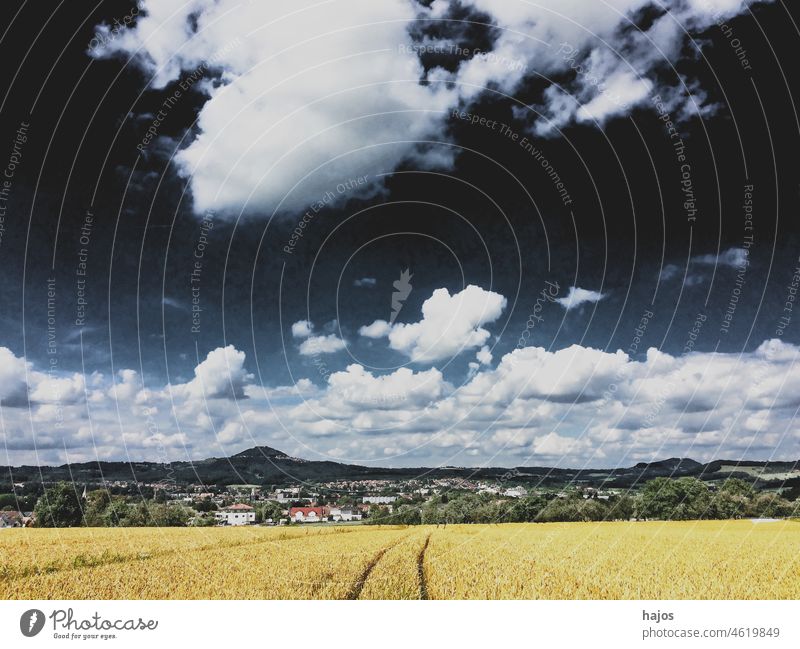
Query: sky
(405, 233)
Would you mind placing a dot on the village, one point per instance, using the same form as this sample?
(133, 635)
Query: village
(337, 502)
(511, 497)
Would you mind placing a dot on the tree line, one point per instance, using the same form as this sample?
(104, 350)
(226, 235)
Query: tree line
(61, 506)
(660, 499)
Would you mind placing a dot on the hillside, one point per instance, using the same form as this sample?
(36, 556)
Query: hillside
(268, 466)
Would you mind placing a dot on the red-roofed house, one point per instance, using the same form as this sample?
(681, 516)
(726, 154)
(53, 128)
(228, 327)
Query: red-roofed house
(308, 514)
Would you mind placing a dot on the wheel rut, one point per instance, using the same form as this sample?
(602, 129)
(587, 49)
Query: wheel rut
(423, 585)
(358, 584)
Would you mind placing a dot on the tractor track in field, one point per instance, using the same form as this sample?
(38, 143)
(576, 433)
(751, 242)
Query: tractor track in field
(358, 584)
(423, 586)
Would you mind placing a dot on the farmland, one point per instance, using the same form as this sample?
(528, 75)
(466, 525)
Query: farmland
(623, 560)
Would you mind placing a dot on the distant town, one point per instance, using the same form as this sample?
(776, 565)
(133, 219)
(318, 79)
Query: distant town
(676, 489)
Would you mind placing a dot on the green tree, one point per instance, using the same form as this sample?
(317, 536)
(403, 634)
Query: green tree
(729, 504)
(117, 511)
(432, 512)
(792, 493)
(770, 505)
(205, 505)
(621, 508)
(59, 506)
(269, 509)
(94, 511)
(135, 515)
(573, 510)
(168, 515)
(736, 487)
(13, 502)
(675, 499)
(522, 510)
(204, 520)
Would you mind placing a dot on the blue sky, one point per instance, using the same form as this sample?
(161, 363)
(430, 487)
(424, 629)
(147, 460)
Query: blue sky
(592, 204)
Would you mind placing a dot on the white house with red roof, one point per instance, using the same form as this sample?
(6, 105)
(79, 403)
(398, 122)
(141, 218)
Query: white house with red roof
(308, 514)
(238, 514)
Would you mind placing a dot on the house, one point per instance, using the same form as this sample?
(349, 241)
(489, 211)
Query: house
(307, 514)
(285, 495)
(12, 519)
(238, 514)
(7, 521)
(343, 513)
(379, 500)
(515, 492)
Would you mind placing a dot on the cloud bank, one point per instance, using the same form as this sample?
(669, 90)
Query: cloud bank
(291, 120)
(571, 406)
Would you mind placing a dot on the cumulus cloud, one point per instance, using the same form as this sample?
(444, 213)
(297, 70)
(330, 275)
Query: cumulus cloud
(570, 406)
(623, 90)
(289, 121)
(450, 324)
(355, 390)
(603, 64)
(220, 376)
(302, 329)
(378, 329)
(340, 102)
(13, 385)
(578, 296)
(61, 389)
(573, 405)
(322, 345)
(484, 356)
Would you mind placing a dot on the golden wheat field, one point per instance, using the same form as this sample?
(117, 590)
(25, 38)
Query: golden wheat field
(653, 560)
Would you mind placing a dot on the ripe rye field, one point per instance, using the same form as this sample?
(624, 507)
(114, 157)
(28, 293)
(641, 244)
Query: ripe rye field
(654, 560)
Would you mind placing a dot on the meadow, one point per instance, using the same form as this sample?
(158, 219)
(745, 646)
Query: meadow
(626, 560)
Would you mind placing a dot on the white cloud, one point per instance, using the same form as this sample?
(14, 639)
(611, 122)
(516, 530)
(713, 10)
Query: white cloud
(484, 356)
(732, 257)
(670, 271)
(220, 376)
(302, 329)
(578, 296)
(291, 118)
(61, 389)
(553, 445)
(311, 93)
(567, 407)
(401, 389)
(365, 282)
(378, 329)
(623, 90)
(604, 64)
(450, 324)
(321, 345)
(13, 384)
